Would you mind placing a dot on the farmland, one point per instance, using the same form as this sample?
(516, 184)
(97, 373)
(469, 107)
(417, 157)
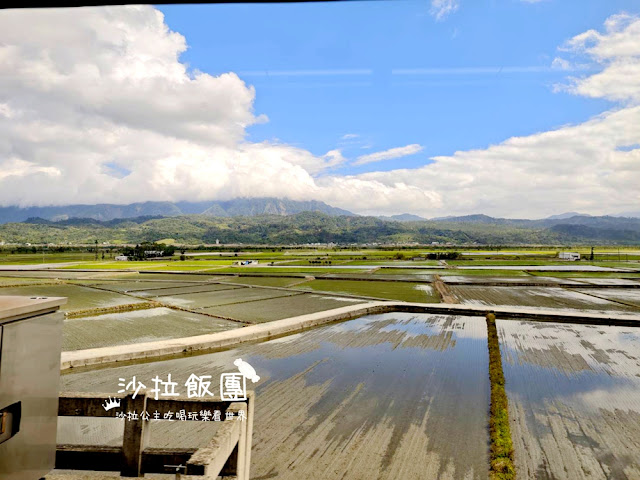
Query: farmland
(405, 394)
(575, 397)
(384, 390)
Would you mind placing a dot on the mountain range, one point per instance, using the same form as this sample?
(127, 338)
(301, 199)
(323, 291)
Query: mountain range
(236, 207)
(228, 208)
(318, 227)
(275, 220)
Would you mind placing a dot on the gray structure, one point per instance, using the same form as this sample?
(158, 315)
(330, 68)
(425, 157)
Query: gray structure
(30, 344)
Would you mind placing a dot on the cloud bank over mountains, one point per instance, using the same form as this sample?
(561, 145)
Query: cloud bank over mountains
(96, 107)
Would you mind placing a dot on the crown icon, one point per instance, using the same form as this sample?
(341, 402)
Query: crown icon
(111, 403)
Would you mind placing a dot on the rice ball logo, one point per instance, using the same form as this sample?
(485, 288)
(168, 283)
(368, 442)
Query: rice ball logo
(247, 370)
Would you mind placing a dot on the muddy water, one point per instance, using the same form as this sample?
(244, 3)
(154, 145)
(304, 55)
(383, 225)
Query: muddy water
(574, 399)
(381, 397)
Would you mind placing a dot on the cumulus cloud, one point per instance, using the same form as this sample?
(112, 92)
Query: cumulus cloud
(440, 9)
(95, 106)
(392, 153)
(617, 50)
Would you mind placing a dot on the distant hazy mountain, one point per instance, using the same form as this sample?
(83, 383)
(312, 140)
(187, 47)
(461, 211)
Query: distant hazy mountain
(230, 208)
(476, 218)
(270, 206)
(403, 217)
(562, 216)
(635, 214)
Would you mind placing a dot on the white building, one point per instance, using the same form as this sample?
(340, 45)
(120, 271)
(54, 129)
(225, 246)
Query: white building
(569, 256)
(122, 258)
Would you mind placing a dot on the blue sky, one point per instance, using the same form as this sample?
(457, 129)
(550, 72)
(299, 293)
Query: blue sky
(322, 71)
(518, 109)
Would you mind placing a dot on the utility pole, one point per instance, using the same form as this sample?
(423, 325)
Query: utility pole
(96, 250)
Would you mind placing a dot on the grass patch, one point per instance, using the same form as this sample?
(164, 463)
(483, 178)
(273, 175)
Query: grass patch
(501, 461)
(92, 312)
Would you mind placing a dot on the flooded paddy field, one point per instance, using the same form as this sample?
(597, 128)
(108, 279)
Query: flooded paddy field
(281, 307)
(543, 297)
(180, 277)
(631, 282)
(574, 399)
(136, 286)
(405, 291)
(454, 271)
(137, 326)
(379, 276)
(479, 279)
(227, 294)
(559, 268)
(78, 297)
(264, 281)
(582, 275)
(380, 397)
(61, 274)
(10, 281)
(205, 287)
(630, 296)
(406, 271)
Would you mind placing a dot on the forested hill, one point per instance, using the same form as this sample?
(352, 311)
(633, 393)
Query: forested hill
(213, 208)
(317, 227)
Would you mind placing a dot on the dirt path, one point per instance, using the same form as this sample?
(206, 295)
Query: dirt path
(443, 290)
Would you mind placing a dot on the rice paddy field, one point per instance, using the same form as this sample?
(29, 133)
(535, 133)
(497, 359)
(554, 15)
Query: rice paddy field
(223, 296)
(265, 281)
(574, 399)
(543, 297)
(397, 395)
(488, 280)
(267, 310)
(138, 326)
(387, 396)
(405, 291)
(628, 296)
(78, 297)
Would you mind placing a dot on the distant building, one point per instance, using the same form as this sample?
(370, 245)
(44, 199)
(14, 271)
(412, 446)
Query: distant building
(122, 258)
(572, 256)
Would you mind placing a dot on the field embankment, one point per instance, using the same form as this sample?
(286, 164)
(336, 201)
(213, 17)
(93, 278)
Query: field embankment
(501, 463)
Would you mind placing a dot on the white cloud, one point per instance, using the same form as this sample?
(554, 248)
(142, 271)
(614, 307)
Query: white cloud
(392, 153)
(440, 9)
(617, 50)
(95, 106)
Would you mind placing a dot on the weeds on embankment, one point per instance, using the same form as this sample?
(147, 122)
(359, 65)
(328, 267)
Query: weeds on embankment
(501, 462)
(91, 312)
